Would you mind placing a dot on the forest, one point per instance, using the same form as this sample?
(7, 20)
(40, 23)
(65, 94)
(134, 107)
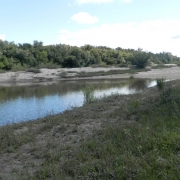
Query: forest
(21, 56)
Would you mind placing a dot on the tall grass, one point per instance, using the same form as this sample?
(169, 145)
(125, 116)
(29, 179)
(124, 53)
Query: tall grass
(160, 83)
(88, 93)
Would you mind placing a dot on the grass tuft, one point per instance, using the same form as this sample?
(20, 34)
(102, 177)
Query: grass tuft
(160, 83)
(88, 93)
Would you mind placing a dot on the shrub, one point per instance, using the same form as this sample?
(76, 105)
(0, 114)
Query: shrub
(88, 93)
(160, 83)
(139, 59)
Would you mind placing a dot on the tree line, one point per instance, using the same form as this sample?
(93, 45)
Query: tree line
(60, 55)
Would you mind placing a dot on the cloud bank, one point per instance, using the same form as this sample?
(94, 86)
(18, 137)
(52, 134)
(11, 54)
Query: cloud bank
(84, 18)
(154, 36)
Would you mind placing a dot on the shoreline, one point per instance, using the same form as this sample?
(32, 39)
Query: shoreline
(48, 76)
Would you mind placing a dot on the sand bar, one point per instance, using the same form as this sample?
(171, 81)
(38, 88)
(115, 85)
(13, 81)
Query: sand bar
(50, 75)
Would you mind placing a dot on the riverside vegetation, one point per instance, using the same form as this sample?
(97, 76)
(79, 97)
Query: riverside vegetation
(20, 57)
(118, 137)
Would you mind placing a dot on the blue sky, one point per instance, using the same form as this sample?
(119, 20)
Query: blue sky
(153, 25)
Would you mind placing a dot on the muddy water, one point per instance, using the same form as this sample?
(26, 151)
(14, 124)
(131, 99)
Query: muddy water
(23, 103)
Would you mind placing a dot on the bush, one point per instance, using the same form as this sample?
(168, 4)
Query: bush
(88, 93)
(139, 59)
(160, 83)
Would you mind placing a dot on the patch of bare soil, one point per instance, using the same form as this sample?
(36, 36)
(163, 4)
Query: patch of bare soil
(47, 75)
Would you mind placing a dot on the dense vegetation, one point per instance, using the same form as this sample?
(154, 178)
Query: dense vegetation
(22, 56)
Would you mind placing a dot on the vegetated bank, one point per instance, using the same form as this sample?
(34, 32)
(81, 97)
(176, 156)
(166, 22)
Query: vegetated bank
(119, 137)
(18, 57)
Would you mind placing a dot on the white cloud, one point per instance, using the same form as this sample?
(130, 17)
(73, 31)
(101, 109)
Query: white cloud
(84, 18)
(2, 37)
(154, 36)
(176, 37)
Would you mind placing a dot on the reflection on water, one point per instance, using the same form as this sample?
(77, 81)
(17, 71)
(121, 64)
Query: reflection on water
(23, 103)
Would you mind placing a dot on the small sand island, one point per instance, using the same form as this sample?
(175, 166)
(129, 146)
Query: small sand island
(49, 75)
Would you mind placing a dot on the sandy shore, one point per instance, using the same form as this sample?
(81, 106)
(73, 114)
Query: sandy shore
(49, 75)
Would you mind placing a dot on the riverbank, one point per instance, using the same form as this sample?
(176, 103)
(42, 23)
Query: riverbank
(118, 137)
(49, 75)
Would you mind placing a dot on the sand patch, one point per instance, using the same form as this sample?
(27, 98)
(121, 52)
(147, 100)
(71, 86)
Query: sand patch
(50, 75)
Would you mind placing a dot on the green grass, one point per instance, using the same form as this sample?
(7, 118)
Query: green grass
(34, 70)
(161, 66)
(138, 138)
(84, 74)
(88, 93)
(160, 83)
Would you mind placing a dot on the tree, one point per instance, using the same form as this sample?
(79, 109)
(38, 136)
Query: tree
(21, 55)
(38, 44)
(42, 57)
(139, 59)
(4, 63)
(95, 56)
(70, 61)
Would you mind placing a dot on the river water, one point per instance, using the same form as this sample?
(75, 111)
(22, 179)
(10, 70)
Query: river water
(24, 103)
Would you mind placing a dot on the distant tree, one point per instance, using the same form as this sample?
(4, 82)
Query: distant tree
(95, 56)
(139, 59)
(87, 47)
(32, 55)
(4, 63)
(37, 44)
(70, 61)
(21, 55)
(42, 57)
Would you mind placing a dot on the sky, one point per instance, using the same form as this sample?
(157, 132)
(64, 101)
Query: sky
(153, 25)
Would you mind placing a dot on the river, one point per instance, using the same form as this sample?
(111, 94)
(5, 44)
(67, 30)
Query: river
(24, 103)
